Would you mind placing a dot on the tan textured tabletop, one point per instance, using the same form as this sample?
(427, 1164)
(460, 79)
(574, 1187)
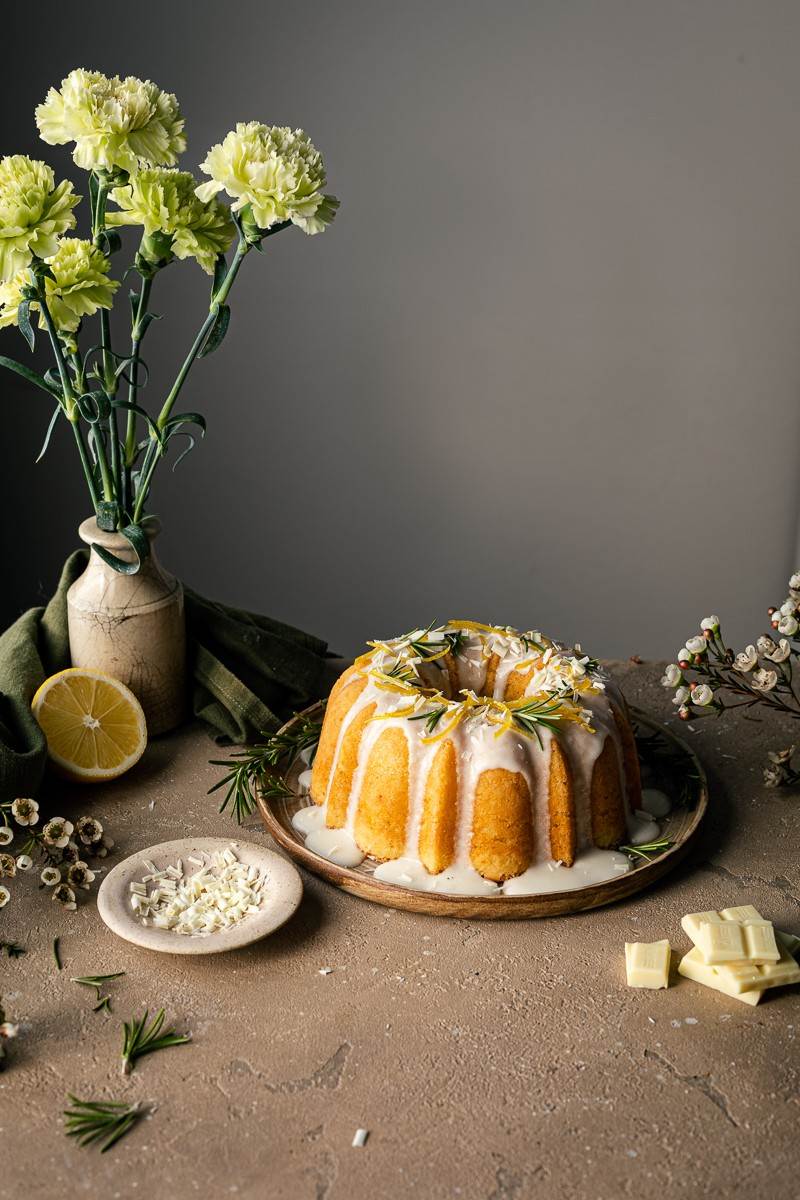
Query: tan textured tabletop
(491, 1061)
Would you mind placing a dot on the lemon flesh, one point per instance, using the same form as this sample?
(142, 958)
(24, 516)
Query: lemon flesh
(94, 725)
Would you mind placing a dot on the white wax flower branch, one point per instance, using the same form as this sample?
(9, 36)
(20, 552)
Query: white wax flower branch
(709, 677)
(128, 134)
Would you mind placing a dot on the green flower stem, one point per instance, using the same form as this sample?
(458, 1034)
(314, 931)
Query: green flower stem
(153, 452)
(137, 335)
(217, 301)
(70, 408)
(112, 480)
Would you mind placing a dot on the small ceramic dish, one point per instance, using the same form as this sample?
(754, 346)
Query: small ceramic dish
(282, 894)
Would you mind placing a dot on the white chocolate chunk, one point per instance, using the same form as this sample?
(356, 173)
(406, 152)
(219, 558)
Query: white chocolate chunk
(693, 967)
(734, 935)
(692, 921)
(647, 964)
(742, 977)
(745, 912)
(721, 942)
(760, 940)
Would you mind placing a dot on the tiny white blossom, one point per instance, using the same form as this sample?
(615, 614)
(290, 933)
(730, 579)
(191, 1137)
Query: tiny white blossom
(765, 645)
(64, 895)
(764, 681)
(672, 676)
(8, 1030)
(79, 875)
(788, 625)
(794, 582)
(746, 660)
(702, 695)
(50, 876)
(709, 623)
(696, 645)
(6, 835)
(789, 607)
(89, 830)
(24, 862)
(681, 696)
(25, 811)
(780, 653)
(5, 895)
(683, 654)
(56, 832)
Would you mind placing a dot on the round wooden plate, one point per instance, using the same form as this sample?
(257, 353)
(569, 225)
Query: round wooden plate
(671, 765)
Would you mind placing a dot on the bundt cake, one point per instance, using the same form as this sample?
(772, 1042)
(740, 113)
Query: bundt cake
(478, 747)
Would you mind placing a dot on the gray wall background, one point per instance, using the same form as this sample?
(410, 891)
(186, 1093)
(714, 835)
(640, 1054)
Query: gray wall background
(544, 369)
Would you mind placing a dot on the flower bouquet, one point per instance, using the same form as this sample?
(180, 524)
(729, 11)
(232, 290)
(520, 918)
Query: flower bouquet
(127, 134)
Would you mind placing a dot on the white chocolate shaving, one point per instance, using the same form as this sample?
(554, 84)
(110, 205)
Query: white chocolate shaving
(220, 892)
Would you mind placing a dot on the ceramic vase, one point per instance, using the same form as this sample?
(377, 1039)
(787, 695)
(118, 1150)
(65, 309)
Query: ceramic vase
(131, 626)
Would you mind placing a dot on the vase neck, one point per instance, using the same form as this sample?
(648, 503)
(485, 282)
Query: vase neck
(113, 541)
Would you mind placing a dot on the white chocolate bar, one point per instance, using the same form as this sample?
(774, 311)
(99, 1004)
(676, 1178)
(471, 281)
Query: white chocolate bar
(693, 967)
(647, 964)
(746, 977)
(734, 935)
(734, 941)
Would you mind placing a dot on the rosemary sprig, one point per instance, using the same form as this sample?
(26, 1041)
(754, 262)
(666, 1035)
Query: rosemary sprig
(431, 719)
(139, 1039)
(12, 949)
(57, 952)
(251, 770)
(452, 641)
(104, 1121)
(538, 711)
(96, 982)
(647, 849)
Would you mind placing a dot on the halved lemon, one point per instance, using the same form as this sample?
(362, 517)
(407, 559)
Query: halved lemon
(94, 725)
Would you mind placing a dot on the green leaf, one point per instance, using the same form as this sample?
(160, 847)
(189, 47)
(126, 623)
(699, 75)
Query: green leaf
(188, 450)
(110, 241)
(53, 381)
(48, 435)
(24, 323)
(93, 406)
(137, 408)
(140, 543)
(32, 377)
(107, 515)
(220, 271)
(187, 418)
(218, 331)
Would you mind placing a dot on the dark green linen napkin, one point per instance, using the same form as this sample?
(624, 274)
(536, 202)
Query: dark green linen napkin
(247, 674)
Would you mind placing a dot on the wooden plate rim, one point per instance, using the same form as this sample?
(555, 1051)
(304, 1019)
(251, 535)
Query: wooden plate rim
(497, 907)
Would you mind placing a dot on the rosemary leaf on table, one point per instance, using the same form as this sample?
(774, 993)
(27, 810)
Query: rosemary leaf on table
(12, 949)
(96, 982)
(104, 1121)
(57, 952)
(140, 1039)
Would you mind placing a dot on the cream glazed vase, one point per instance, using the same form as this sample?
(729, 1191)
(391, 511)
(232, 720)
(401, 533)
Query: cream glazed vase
(131, 626)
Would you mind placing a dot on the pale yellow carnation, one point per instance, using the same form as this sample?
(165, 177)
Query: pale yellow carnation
(113, 122)
(80, 285)
(33, 212)
(163, 201)
(275, 170)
